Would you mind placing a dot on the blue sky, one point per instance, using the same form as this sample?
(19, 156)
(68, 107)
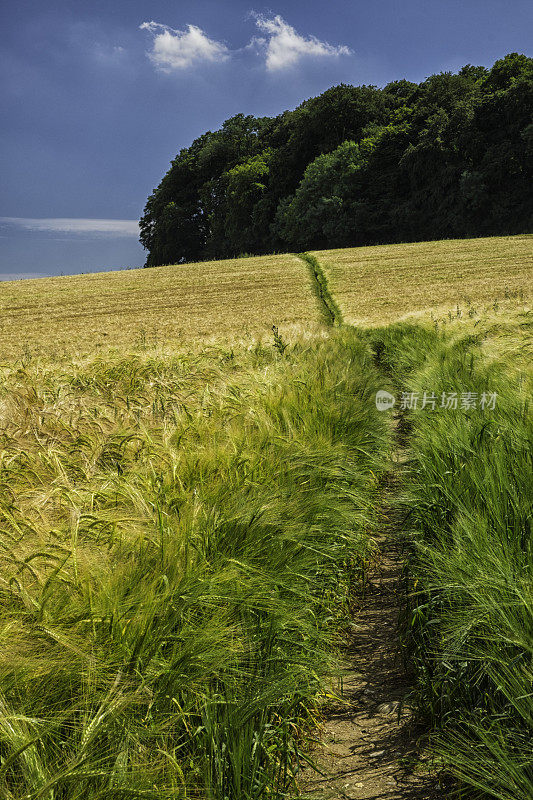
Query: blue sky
(97, 98)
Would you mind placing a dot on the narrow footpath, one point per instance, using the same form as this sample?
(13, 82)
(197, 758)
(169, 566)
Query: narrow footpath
(370, 747)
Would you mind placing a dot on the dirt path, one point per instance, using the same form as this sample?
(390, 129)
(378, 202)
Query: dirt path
(369, 742)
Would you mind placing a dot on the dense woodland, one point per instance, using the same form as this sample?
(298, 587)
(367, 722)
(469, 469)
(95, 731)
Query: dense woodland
(449, 157)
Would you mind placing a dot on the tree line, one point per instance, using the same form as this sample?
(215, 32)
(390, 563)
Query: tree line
(449, 157)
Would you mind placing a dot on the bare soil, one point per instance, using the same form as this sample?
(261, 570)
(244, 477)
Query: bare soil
(371, 746)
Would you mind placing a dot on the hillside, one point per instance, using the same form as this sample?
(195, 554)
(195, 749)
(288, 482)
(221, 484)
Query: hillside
(376, 285)
(243, 298)
(166, 305)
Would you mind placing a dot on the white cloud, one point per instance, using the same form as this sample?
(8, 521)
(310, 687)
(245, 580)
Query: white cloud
(94, 227)
(285, 47)
(174, 50)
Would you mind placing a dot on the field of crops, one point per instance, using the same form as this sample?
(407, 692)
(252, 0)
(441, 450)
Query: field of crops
(376, 285)
(241, 298)
(469, 495)
(179, 536)
(186, 516)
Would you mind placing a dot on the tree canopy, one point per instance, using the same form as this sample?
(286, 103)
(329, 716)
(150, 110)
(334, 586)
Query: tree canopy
(449, 157)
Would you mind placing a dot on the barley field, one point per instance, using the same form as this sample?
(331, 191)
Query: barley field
(162, 305)
(468, 632)
(242, 298)
(376, 285)
(180, 533)
(189, 506)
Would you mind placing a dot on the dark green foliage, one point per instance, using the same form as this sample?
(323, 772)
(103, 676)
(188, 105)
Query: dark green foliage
(325, 206)
(450, 157)
(188, 207)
